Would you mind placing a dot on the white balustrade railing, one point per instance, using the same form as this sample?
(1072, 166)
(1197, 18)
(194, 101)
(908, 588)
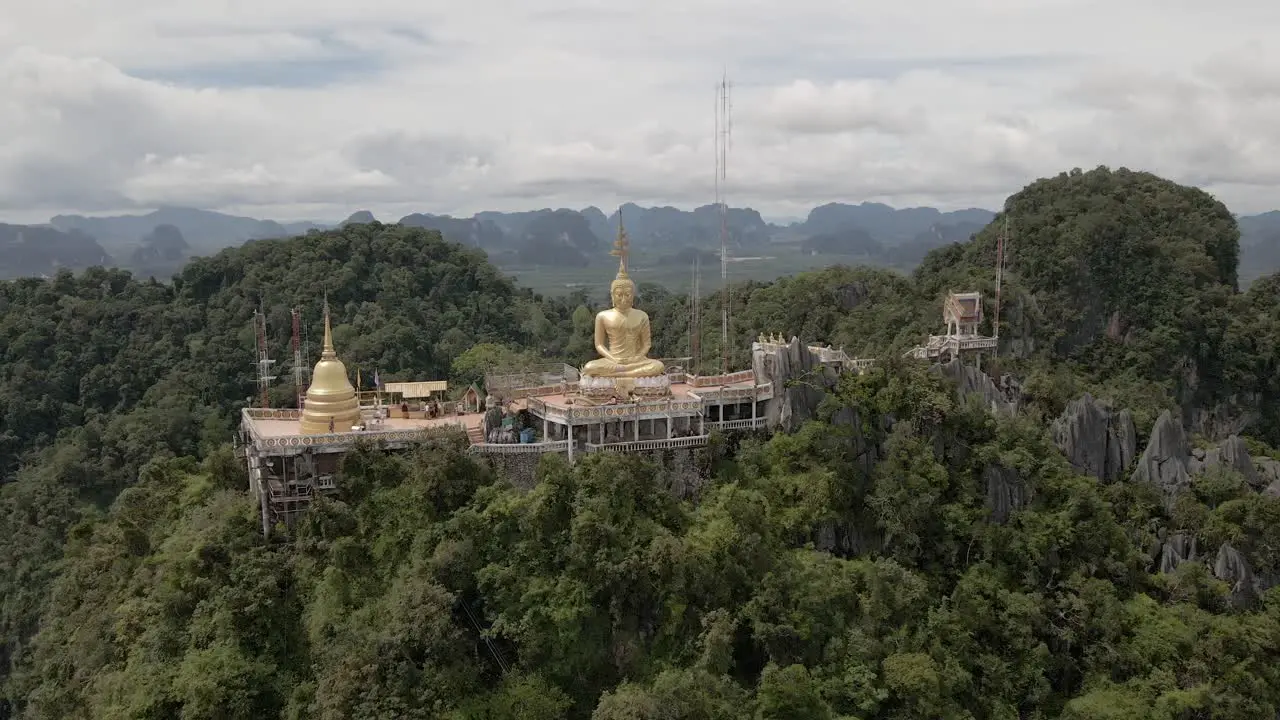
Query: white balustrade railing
(745, 424)
(521, 448)
(939, 344)
(643, 445)
(702, 381)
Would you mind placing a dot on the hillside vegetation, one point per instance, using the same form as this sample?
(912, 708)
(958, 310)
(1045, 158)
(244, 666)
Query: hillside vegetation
(908, 554)
(604, 595)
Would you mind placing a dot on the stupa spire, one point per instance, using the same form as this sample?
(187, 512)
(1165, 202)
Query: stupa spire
(327, 352)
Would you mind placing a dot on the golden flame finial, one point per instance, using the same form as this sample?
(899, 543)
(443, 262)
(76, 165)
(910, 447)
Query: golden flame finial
(621, 248)
(327, 352)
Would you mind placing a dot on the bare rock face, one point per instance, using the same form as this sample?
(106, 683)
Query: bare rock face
(681, 472)
(1006, 492)
(800, 383)
(970, 381)
(1164, 462)
(1232, 567)
(1122, 448)
(1095, 440)
(851, 296)
(1233, 454)
(1227, 418)
(844, 538)
(1269, 475)
(1173, 551)
(1020, 319)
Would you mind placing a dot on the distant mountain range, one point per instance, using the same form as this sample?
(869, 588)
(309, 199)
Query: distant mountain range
(160, 242)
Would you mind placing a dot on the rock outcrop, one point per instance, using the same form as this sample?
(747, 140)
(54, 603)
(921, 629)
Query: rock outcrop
(1164, 462)
(1269, 474)
(1232, 567)
(800, 382)
(851, 295)
(847, 538)
(1168, 464)
(1235, 455)
(1227, 418)
(972, 382)
(1096, 441)
(1006, 492)
(1174, 550)
(1232, 454)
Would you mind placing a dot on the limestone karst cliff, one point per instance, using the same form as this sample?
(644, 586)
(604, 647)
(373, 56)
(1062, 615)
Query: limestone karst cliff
(1096, 440)
(1164, 461)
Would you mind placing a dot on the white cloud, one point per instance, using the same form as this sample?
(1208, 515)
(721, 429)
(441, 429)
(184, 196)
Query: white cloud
(403, 106)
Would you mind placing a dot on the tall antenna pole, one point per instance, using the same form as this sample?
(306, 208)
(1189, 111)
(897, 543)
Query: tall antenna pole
(724, 129)
(264, 361)
(299, 368)
(695, 318)
(1000, 239)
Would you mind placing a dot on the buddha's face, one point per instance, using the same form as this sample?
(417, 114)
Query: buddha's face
(623, 293)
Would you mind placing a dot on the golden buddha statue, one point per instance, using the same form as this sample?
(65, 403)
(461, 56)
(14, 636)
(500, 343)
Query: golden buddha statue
(623, 337)
(331, 404)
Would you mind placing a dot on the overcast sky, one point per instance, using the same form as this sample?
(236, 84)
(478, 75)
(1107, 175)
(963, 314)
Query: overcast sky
(313, 109)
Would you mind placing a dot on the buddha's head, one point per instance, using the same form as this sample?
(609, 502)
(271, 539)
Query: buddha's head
(623, 293)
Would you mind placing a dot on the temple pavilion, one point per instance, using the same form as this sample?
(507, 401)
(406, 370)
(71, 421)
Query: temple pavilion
(962, 316)
(623, 401)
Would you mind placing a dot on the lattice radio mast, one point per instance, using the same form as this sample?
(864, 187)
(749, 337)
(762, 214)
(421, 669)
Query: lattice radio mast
(1000, 241)
(299, 367)
(695, 317)
(724, 134)
(264, 361)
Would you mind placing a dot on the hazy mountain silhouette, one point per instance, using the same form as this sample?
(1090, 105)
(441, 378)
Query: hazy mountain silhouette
(159, 242)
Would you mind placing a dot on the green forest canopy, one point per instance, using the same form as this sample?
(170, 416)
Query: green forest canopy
(135, 585)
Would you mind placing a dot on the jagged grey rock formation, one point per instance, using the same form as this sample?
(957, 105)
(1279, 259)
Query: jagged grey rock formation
(1232, 567)
(681, 472)
(1164, 462)
(847, 538)
(972, 382)
(1235, 455)
(1095, 440)
(1020, 319)
(1226, 418)
(1232, 454)
(1269, 475)
(1006, 492)
(800, 382)
(851, 295)
(520, 469)
(1173, 551)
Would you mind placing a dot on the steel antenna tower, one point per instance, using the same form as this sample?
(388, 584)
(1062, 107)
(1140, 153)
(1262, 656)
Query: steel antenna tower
(1000, 241)
(724, 134)
(299, 367)
(264, 361)
(695, 318)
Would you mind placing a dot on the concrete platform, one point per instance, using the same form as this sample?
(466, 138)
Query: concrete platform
(277, 428)
(278, 432)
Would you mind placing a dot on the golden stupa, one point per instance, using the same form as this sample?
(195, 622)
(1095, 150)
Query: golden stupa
(331, 404)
